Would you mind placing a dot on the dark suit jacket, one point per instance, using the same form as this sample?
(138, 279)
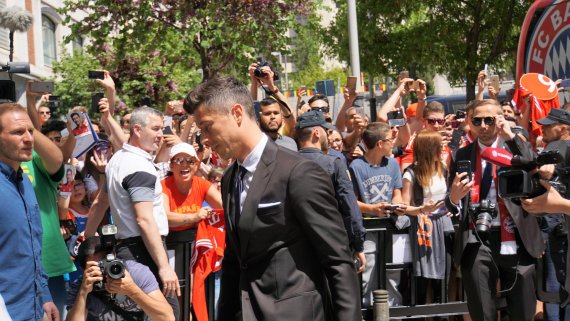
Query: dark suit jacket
(291, 260)
(527, 225)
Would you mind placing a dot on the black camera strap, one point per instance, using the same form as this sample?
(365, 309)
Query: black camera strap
(127, 315)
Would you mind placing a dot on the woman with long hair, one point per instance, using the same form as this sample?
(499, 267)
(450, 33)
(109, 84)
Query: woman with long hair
(423, 191)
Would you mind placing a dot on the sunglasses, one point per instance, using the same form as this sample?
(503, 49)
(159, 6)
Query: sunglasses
(489, 120)
(433, 121)
(321, 109)
(187, 160)
(45, 113)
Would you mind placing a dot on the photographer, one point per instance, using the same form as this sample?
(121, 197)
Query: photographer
(555, 128)
(492, 245)
(261, 74)
(137, 292)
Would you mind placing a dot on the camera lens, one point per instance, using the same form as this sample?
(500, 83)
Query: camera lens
(483, 223)
(116, 270)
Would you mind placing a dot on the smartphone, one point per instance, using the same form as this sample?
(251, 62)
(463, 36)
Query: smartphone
(460, 114)
(486, 68)
(351, 83)
(167, 131)
(455, 139)
(565, 83)
(415, 86)
(95, 98)
(69, 225)
(393, 207)
(102, 147)
(396, 122)
(360, 111)
(464, 166)
(198, 140)
(95, 74)
(42, 86)
(495, 83)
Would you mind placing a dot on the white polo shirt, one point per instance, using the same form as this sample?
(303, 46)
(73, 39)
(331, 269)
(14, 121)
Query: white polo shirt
(132, 177)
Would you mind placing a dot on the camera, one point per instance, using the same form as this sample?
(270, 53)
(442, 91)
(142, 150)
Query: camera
(482, 214)
(110, 265)
(259, 73)
(54, 102)
(517, 182)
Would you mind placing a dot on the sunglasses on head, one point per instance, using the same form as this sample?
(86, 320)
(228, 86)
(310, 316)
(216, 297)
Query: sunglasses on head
(187, 160)
(433, 121)
(489, 120)
(321, 109)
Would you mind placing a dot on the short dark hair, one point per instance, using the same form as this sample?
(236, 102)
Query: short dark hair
(319, 97)
(374, 133)
(219, 94)
(433, 107)
(90, 246)
(52, 125)
(303, 134)
(268, 101)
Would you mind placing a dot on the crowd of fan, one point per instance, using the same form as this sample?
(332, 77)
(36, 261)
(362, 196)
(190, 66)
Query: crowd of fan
(405, 173)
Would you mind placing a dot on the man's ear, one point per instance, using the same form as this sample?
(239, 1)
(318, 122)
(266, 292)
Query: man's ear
(237, 111)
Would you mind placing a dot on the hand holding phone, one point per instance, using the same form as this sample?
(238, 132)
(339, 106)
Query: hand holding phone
(464, 166)
(167, 131)
(95, 98)
(42, 86)
(95, 74)
(351, 84)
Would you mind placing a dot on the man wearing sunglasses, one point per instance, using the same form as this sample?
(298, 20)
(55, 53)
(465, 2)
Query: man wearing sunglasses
(320, 102)
(513, 242)
(433, 118)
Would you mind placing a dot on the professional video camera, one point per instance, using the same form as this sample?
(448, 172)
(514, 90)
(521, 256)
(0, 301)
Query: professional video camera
(515, 179)
(482, 214)
(110, 265)
(259, 73)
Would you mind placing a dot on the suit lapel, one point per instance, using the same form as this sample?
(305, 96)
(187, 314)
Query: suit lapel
(258, 185)
(229, 211)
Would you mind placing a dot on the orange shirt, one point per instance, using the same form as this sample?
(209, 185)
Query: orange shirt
(185, 204)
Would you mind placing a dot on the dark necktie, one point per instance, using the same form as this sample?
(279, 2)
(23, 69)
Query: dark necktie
(238, 189)
(486, 180)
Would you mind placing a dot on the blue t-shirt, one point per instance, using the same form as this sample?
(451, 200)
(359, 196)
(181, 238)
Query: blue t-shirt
(374, 184)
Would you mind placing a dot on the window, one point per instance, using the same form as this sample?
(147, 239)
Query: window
(4, 41)
(49, 43)
(78, 44)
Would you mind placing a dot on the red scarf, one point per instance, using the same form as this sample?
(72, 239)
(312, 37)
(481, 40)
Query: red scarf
(507, 231)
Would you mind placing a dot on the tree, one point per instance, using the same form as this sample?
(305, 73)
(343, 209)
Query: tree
(455, 38)
(211, 35)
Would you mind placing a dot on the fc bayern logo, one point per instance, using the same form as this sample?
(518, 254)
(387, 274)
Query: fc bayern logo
(549, 46)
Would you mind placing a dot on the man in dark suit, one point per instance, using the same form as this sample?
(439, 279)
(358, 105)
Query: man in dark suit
(287, 255)
(513, 243)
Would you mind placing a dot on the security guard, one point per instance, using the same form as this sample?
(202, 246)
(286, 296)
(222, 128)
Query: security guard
(313, 143)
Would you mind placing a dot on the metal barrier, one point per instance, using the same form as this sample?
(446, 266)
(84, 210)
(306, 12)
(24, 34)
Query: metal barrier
(181, 243)
(385, 229)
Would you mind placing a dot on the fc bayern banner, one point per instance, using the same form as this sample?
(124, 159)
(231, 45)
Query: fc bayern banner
(544, 43)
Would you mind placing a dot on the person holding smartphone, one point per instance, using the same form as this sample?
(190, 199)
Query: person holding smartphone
(513, 242)
(423, 192)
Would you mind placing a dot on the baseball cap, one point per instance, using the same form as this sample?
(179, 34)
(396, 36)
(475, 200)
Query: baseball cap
(182, 148)
(556, 115)
(411, 110)
(313, 118)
